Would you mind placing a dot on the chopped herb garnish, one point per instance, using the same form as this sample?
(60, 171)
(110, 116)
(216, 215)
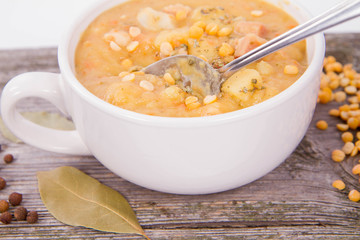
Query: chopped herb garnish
(196, 44)
(184, 46)
(188, 89)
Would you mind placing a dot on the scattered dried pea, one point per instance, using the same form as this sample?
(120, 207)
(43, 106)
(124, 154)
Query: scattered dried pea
(353, 99)
(338, 184)
(344, 82)
(354, 106)
(356, 169)
(336, 75)
(325, 95)
(347, 137)
(337, 155)
(342, 127)
(322, 124)
(353, 123)
(344, 108)
(334, 112)
(348, 148)
(340, 96)
(351, 90)
(334, 84)
(354, 195)
(355, 151)
(344, 115)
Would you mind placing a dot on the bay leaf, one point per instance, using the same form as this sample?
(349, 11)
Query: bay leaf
(7, 133)
(50, 120)
(45, 119)
(77, 199)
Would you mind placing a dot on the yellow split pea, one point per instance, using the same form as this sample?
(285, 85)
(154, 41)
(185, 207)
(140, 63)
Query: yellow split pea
(322, 125)
(338, 184)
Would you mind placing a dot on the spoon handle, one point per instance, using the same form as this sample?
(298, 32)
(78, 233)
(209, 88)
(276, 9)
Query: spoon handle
(340, 13)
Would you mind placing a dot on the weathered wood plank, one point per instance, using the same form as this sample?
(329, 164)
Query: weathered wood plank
(295, 200)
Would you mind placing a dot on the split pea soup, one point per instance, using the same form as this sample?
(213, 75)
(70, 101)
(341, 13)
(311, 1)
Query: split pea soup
(120, 42)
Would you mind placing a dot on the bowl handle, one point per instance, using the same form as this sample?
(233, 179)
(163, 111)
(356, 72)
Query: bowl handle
(48, 87)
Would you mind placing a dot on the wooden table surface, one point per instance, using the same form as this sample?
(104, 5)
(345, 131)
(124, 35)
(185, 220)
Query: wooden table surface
(295, 201)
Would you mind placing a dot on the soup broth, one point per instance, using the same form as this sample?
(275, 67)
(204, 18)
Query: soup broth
(123, 40)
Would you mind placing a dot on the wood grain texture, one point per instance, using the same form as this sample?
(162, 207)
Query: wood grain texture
(295, 201)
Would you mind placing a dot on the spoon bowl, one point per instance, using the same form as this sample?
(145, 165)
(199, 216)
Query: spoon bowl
(192, 74)
(198, 77)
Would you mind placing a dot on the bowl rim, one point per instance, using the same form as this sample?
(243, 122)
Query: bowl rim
(64, 53)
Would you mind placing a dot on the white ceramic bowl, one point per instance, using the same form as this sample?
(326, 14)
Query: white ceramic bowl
(175, 155)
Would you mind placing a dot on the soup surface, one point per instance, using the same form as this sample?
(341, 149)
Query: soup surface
(121, 41)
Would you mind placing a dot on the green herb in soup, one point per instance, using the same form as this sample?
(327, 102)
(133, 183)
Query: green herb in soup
(123, 40)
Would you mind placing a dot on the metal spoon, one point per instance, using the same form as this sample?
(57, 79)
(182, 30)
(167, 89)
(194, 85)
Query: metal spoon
(200, 78)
